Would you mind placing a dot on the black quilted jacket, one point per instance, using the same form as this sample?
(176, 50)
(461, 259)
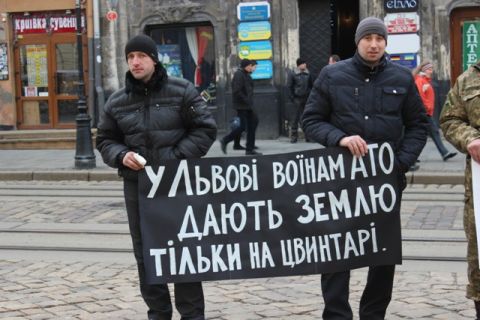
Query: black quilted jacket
(164, 119)
(380, 104)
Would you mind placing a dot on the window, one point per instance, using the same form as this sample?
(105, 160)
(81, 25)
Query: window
(188, 52)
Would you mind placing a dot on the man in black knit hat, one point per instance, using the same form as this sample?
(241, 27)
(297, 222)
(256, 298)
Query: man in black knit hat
(154, 117)
(360, 101)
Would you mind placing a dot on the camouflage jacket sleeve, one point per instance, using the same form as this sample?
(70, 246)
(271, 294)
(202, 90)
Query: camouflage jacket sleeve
(460, 118)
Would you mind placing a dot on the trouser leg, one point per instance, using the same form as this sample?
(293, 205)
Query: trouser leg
(377, 293)
(157, 297)
(335, 290)
(236, 133)
(299, 107)
(435, 135)
(189, 300)
(252, 123)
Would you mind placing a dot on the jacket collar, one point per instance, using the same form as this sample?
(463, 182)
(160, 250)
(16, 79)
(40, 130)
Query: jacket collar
(365, 68)
(139, 87)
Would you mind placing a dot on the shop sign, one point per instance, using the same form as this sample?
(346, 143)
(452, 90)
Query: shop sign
(43, 23)
(257, 50)
(253, 11)
(259, 30)
(403, 43)
(3, 62)
(408, 60)
(401, 5)
(264, 70)
(470, 43)
(402, 22)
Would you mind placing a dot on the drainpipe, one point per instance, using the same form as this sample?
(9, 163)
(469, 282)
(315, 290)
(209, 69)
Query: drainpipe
(97, 61)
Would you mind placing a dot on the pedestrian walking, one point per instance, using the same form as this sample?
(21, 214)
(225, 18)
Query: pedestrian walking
(423, 80)
(299, 85)
(460, 122)
(242, 96)
(158, 118)
(362, 100)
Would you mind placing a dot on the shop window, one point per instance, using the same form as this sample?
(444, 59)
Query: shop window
(189, 52)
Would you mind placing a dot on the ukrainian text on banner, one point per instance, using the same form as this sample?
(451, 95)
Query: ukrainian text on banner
(289, 214)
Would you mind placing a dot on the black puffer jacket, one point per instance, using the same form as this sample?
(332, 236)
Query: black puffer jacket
(380, 104)
(164, 119)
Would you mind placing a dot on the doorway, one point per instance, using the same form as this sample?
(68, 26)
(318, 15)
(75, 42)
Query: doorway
(47, 81)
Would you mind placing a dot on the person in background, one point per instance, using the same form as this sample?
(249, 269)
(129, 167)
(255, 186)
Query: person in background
(460, 122)
(159, 118)
(355, 102)
(423, 80)
(299, 84)
(334, 58)
(242, 98)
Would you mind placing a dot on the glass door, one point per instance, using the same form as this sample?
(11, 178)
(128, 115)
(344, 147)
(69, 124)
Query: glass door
(65, 79)
(47, 81)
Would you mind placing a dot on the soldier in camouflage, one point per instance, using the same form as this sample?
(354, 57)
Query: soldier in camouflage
(460, 122)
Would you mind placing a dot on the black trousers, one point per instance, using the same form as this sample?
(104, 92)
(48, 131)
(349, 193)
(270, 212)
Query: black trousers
(375, 298)
(189, 299)
(434, 133)
(248, 122)
(299, 104)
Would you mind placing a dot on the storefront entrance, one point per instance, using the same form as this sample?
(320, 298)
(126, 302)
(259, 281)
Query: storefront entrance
(47, 73)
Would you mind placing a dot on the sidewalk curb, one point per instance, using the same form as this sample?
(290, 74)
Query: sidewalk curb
(111, 175)
(435, 178)
(58, 175)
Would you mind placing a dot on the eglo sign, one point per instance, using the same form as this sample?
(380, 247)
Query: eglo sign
(401, 5)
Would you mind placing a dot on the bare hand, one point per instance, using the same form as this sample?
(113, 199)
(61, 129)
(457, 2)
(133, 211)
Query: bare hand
(357, 146)
(473, 149)
(130, 161)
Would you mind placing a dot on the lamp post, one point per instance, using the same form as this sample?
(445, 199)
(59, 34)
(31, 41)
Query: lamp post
(84, 156)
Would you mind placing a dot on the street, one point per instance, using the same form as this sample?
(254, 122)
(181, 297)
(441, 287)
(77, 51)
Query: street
(65, 253)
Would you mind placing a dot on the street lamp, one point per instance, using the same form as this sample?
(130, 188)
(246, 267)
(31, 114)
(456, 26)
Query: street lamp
(84, 156)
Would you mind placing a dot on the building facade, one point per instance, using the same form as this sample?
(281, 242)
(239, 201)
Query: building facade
(204, 41)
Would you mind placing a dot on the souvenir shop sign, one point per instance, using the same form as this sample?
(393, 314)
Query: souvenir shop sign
(259, 30)
(470, 43)
(402, 22)
(306, 212)
(253, 11)
(401, 5)
(43, 23)
(256, 50)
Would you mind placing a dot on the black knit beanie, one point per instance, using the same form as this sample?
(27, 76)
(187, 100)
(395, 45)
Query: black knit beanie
(144, 44)
(368, 26)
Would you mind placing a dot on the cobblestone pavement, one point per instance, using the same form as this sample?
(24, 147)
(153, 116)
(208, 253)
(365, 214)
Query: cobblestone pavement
(62, 289)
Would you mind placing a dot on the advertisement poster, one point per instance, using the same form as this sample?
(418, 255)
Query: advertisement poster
(256, 50)
(264, 70)
(37, 69)
(3, 62)
(169, 56)
(259, 30)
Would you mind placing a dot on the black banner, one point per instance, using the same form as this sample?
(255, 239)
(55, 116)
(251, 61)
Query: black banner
(307, 212)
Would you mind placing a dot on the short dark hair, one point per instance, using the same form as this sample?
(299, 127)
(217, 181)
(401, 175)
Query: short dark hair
(335, 57)
(300, 61)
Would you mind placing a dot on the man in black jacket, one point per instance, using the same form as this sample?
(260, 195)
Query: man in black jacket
(159, 118)
(242, 98)
(362, 100)
(299, 85)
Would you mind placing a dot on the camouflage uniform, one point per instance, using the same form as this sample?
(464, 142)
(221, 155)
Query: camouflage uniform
(460, 122)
